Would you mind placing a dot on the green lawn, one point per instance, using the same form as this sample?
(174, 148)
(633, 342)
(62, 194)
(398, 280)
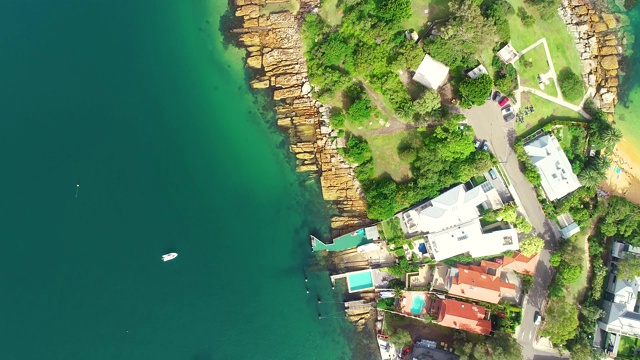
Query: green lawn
(628, 346)
(330, 12)
(423, 11)
(530, 65)
(561, 44)
(545, 111)
(576, 291)
(385, 155)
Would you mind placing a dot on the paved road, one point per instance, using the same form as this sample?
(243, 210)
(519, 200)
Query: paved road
(488, 124)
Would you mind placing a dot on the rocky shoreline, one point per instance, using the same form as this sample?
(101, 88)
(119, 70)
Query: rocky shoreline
(275, 54)
(597, 38)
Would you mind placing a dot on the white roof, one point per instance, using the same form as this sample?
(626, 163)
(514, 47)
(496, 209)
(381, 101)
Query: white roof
(570, 230)
(621, 316)
(431, 73)
(508, 54)
(620, 249)
(558, 178)
(469, 238)
(451, 208)
(477, 71)
(372, 233)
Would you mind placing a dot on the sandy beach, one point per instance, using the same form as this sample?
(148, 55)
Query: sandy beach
(623, 178)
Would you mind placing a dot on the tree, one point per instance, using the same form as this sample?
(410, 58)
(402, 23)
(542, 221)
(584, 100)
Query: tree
(336, 49)
(476, 90)
(359, 111)
(497, 347)
(400, 338)
(394, 11)
(531, 245)
(428, 103)
(565, 321)
(358, 150)
(629, 267)
(568, 274)
(523, 225)
(527, 19)
(555, 259)
(571, 84)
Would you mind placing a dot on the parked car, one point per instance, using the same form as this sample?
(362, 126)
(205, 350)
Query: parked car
(510, 116)
(493, 174)
(477, 144)
(503, 101)
(537, 318)
(507, 109)
(496, 95)
(485, 146)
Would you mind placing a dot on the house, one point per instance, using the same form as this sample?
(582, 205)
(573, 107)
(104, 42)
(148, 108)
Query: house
(431, 73)
(567, 226)
(481, 283)
(520, 263)
(451, 225)
(508, 54)
(463, 316)
(477, 71)
(558, 179)
(620, 250)
(622, 316)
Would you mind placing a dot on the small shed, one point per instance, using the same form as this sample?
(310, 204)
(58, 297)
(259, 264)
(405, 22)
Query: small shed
(508, 54)
(431, 73)
(477, 71)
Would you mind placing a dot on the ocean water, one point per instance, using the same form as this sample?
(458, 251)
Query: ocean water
(141, 104)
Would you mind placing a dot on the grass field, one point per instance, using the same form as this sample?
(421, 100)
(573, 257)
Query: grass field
(385, 156)
(330, 12)
(537, 58)
(423, 11)
(577, 290)
(561, 44)
(545, 111)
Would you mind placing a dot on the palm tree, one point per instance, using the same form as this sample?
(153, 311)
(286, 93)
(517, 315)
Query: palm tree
(589, 177)
(610, 136)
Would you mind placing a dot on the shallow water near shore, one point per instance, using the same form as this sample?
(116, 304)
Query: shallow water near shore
(628, 109)
(140, 104)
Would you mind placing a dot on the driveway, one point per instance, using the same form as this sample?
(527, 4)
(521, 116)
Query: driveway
(488, 124)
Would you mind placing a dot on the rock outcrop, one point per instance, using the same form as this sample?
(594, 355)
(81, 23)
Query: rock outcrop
(596, 37)
(274, 51)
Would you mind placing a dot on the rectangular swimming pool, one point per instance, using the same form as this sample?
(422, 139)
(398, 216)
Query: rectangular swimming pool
(360, 281)
(418, 304)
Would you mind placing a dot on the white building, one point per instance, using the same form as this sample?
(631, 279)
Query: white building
(558, 179)
(431, 73)
(451, 223)
(508, 54)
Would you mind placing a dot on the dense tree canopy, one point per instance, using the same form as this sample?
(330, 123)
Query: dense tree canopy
(358, 151)
(629, 267)
(475, 91)
(497, 347)
(531, 245)
(563, 323)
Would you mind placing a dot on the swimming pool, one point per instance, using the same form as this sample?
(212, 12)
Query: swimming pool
(360, 281)
(417, 304)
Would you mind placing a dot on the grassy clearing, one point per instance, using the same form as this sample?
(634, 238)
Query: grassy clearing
(423, 11)
(385, 156)
(563, 52)
(330, 12)
(291, 6)
(532, 64)
(576, 291)
(545, 111)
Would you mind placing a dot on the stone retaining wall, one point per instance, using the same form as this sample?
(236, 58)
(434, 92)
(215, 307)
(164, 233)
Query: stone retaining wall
(597, 40)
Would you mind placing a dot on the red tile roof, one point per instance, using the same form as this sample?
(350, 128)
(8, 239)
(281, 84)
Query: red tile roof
(520, 263)
(464, 316)
(472, 282)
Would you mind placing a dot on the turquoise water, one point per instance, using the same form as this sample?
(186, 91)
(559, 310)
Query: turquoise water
(628, 108)
(140, 104)
(418, 304)
(360, 281)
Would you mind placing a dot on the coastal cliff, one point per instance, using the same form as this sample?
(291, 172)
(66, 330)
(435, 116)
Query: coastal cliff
(275, 54)
(596, 37)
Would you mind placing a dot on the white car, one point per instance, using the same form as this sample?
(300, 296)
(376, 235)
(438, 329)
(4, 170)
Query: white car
(507, 109)
(477, 144)
(485, 146)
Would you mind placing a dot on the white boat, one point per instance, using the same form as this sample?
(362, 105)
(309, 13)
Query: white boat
(169, 256)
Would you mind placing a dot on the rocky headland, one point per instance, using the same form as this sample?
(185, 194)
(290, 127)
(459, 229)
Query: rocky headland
(597, 38)
(275, 54)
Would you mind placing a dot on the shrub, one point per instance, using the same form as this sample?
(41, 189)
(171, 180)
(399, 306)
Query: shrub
(337, 120)
(527, 19)
(360, 111)
(358, 150)
(571, 85)
(531, 245)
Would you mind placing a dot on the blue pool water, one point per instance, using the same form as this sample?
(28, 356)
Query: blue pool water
(418, 304)
(360, 281)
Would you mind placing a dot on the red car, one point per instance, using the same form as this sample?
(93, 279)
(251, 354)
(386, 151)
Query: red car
(503, 101)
